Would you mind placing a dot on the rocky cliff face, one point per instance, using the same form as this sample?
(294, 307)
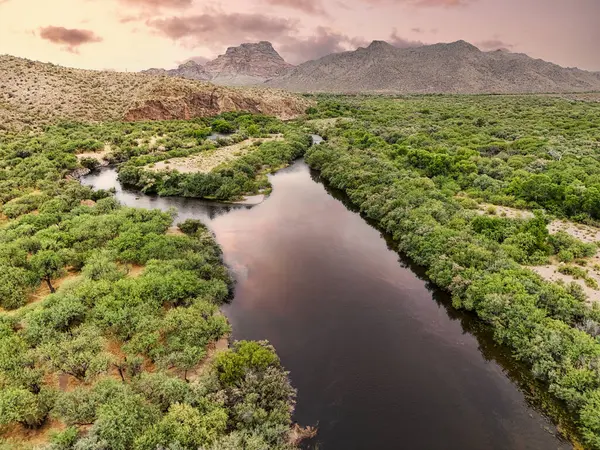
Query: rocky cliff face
(245, 65)
(457, 67)
(181, 101)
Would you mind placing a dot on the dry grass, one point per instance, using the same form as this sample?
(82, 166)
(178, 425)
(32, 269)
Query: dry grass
(582, 232)
(208, 160)
(504, 211)
(34, 94)
(17, 436)
(100, 156)
(174, 231)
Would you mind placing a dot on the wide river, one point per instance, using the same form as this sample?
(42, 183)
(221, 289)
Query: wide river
(379, 358)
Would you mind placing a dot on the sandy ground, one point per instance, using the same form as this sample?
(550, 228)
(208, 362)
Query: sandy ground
(208, 160)
(551, 273)
(251, 200)
(504, 211)
(174, 231)
(213, 349)
(98, 156)
(582, 232)
(135, 270)
(18, 435)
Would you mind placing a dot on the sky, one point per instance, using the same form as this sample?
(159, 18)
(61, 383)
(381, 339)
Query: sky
(131, 35)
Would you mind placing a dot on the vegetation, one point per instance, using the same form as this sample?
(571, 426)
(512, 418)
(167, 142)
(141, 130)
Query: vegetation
(121, 357)
(419, 166)
(109, 317)
(231, 179)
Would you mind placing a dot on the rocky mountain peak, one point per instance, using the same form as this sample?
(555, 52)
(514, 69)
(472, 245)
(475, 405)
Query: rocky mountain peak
(191, 64)
(249, 63)
(462, 46)
(379, 45)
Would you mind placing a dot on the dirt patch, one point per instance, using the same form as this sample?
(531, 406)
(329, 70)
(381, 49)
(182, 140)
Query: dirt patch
(17, 434)
(551, 273)
(100, 156)
(135, 270)
(251, 200)
(504, 211)
(152, 141)
(582, 232)
(43, 290)
(207, 160)
(174, 231)
(211, 352)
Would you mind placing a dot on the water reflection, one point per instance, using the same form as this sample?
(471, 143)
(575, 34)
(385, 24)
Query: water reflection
(378, 362)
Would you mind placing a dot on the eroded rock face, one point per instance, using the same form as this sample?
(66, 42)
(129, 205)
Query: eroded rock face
(185, 103)
(247, 63)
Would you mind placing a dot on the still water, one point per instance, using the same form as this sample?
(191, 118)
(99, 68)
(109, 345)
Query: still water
(379, 359)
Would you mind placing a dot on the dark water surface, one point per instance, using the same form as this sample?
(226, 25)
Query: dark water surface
(379, 359)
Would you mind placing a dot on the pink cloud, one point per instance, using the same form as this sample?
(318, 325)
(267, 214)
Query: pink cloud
(70, 38)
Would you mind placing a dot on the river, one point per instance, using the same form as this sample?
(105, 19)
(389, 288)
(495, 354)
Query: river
(379, 358)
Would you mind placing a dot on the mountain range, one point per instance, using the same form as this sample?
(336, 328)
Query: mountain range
(457, 67)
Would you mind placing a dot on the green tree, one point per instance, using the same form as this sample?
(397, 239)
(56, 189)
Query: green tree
(48, 265)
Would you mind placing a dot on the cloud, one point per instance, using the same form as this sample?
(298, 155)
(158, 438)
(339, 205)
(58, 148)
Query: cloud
(400, 42)
(312, 7)
(426, 3)
(493, 44)
(159, 3)
(223, 28)
(70, 38)
(323, 42)
(416, 30)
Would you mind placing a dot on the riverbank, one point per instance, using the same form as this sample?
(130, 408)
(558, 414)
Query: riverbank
(343, 282)
(496, 296)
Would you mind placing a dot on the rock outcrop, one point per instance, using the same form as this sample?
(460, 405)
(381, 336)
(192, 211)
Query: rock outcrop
(182, 101)
(245, 65)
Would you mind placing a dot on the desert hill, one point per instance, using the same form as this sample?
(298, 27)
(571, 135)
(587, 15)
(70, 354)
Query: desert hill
(34, 93)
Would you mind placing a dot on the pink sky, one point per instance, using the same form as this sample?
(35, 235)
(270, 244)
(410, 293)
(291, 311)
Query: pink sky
(138, 34)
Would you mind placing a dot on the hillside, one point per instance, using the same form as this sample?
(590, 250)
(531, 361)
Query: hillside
(34, 93)
(246, 65)
(458, 67)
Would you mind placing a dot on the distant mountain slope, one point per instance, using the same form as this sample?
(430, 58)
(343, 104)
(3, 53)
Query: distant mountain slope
(245, 65)
(190, 70)
(34, 93)
(458, 67)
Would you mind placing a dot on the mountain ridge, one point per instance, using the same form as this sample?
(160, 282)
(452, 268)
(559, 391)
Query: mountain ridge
(457, 67)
